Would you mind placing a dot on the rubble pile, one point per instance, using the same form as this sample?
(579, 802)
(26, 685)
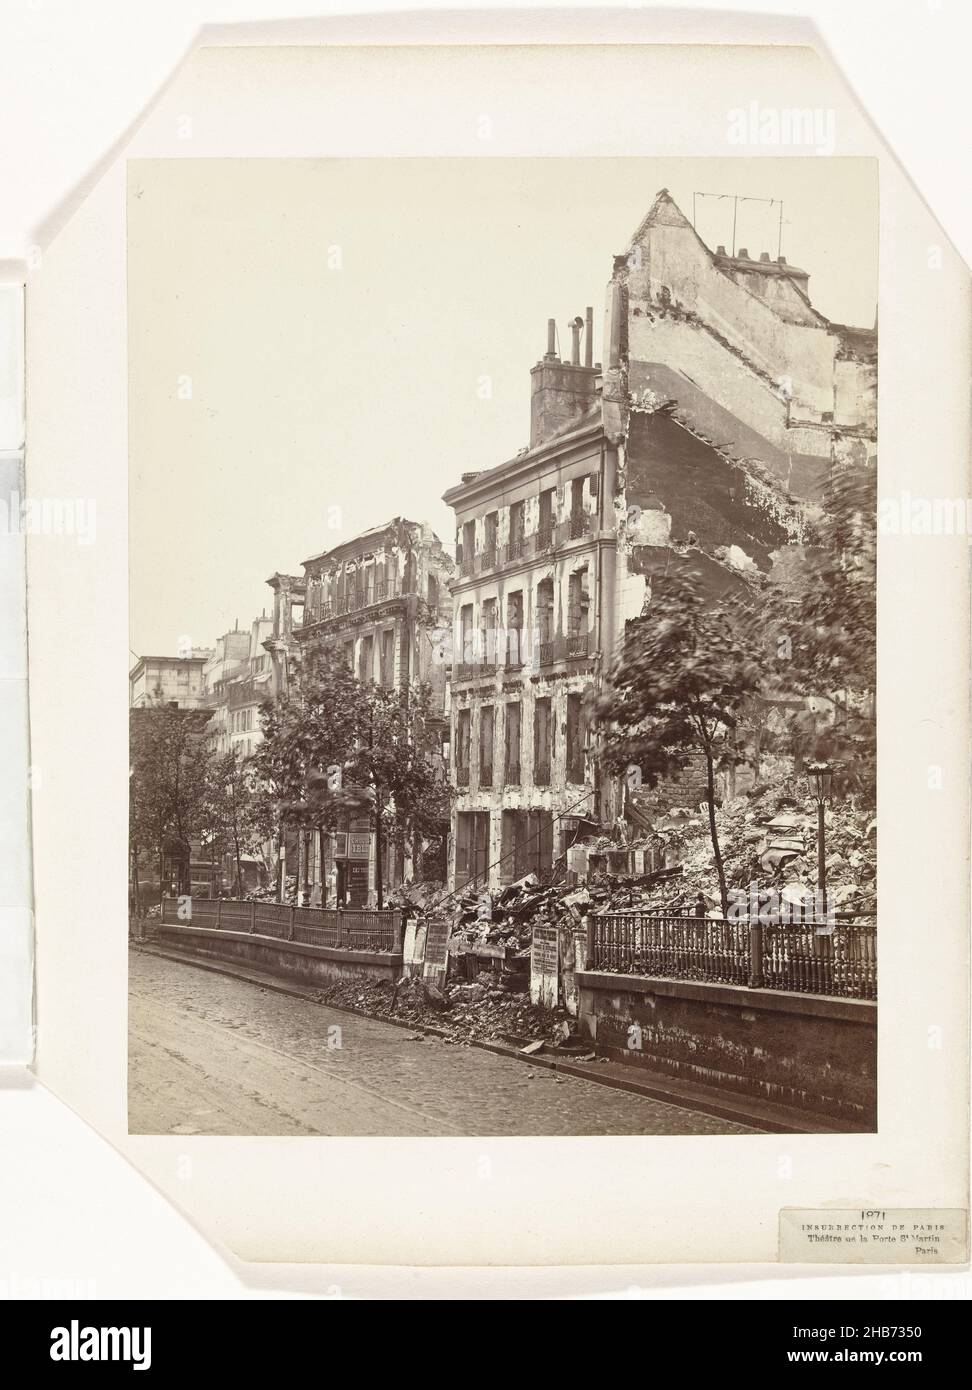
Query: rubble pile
(482, 1011)
(506, 918)
(769, 837)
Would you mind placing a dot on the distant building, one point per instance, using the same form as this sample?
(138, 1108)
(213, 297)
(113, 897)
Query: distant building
(171, 680)
(240, 679)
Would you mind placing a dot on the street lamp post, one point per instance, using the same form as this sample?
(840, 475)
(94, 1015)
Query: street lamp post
(820, 775)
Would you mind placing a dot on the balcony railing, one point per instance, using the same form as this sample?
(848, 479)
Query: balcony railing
(353, 601)
(462, 776)
(541, 773)
(485, 773)
(546, 652)
(546, 537)
(511, 774)
(577, 643)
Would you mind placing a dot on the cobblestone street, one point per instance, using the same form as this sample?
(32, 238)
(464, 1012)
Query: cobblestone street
(209, 1054)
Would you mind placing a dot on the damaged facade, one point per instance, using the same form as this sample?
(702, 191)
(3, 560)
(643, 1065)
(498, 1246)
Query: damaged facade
(725, 402)
(381, 601)
(532, 607)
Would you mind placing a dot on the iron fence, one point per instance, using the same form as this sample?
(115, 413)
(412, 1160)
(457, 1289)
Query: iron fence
(349, 928)
(739, 952)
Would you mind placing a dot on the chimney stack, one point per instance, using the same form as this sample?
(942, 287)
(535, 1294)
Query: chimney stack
(575, 331)
(561, 391)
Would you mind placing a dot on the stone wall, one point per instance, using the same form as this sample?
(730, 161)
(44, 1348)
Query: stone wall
(812, 1053)
(289, 959)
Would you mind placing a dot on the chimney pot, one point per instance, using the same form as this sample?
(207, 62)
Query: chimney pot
(551, 339)
(589, 337)
(575, 331)
(743, 254)
(781, 260)
(764, 256)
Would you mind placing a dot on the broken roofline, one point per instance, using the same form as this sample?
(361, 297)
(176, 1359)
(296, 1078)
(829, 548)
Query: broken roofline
(485, 482)
(664, 199)
(346, 550)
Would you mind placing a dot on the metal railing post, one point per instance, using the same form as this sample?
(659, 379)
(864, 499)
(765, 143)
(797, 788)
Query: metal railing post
(253, 917)
(340, 926)
(290, 924)
(219, 913)
(755, 954)
(590, 950)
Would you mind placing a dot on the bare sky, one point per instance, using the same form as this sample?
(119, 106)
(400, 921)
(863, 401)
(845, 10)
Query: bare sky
(319, 345)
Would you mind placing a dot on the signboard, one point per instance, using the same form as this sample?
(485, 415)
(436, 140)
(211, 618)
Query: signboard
(574, 960)
(340, 845)
(545, 966)
(357, 885)
(359, 824)
(577, 860)
(436, 965)
(413, 949)
(359, 846)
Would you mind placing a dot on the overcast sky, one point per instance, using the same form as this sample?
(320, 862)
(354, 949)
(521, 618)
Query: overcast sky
(317, 346)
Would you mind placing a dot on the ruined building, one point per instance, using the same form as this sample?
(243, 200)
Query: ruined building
(724, 402)
(533, 611)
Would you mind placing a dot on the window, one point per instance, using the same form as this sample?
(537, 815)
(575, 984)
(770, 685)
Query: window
(527, 844)
(511, 761)
(433, 591)
(388, 658)
(517, 527)
(466, 634)
(349, 654)
(542, 742)
(514, 628)
(578, 613)
(366, 660)
(575, 738)
(468, 546)
(472, 847)
(462, 747)
(486, 746)
(545, 619)
(488, 633)
(546, 520)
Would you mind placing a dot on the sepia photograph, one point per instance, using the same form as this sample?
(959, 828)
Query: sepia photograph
(502, 646)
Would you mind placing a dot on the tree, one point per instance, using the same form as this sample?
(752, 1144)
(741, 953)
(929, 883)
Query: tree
(333, 734)
(310, 729)
(168, 778)
(686, 670)
(394, 757)
(231, 815)
(819, 607)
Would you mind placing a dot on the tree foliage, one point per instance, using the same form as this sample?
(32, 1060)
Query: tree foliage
(685, 672)
(168, 779)
(333, 733)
